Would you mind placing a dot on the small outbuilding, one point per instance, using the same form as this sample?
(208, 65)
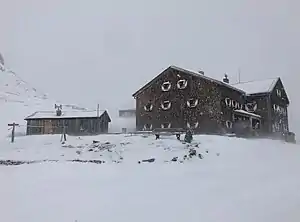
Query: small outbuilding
(71, 122)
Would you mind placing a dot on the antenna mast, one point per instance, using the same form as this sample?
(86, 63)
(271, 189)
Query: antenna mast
(239, 75)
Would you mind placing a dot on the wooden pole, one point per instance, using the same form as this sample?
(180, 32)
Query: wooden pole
(13, 131)
(98, 114)
(63, 137)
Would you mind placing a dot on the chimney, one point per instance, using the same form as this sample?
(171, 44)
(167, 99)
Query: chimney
(201, 72)
(58, 110)
(225, 79)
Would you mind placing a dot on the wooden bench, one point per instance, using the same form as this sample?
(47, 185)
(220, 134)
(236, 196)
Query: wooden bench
(168, 131)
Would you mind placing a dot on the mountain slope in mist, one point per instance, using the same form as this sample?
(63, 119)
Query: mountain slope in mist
(18, 99)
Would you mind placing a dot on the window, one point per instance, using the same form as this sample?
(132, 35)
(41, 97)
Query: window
(255, 124)
(251, 107)
(192, 103)
(147, 127)
(166, 125)
(228, 102)
(235, 104)
(165, 105)
(278, 92)
(166, 86)
(148, 107)
(228, 124)
(192, 125)
(182, 84)
(275, 108)
(279, 109)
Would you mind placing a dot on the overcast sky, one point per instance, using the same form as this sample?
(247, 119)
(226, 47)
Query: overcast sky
(102, 51)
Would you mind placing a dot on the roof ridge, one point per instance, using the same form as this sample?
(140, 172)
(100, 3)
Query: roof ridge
(256, 80)
(81, 111)
(208, 78)
(190, 72)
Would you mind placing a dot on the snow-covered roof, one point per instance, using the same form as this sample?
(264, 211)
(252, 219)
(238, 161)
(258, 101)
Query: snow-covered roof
(251, 87)
(259, 86)
(65, 114)
(197, 74)
(190, 72)
(247, 113)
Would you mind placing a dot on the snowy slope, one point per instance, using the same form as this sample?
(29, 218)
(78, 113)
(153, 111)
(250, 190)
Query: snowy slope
(237, 180)
(18, 99)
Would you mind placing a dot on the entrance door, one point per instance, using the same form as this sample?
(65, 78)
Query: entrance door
(48, 127)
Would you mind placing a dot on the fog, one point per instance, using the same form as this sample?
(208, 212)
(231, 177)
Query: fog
(93, 51)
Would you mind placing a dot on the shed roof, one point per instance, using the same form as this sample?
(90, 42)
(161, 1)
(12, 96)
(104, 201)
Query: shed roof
(259, 86)
(66, 114)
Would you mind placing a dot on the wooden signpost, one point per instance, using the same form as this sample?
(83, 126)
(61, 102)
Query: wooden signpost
(13, 131)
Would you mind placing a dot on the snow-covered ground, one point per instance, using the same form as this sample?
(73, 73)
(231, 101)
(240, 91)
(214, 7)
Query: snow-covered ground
(236, 180)
(228, 179)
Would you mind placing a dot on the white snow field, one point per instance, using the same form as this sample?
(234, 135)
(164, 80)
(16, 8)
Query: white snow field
(236, 180)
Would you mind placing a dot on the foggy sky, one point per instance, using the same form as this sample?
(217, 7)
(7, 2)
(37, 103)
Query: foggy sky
(93, 51)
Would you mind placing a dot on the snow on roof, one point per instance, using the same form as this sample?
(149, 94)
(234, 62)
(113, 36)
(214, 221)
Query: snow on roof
(197, 74)
(190, 72)
(260, 86)
(65, 114)
(247, 113)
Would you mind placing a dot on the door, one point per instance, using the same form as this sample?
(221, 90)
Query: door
(48, 127)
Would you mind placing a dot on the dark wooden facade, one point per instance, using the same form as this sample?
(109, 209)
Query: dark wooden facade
(275, 107)
(204, 104)
(73, 125)
(208, 114)
(272, 106)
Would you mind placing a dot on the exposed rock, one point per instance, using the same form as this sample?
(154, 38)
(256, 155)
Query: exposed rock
(174, 159)
(149, 160)
(192, 152)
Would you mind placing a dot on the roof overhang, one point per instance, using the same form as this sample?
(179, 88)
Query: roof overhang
(245, 113)
(34, 117)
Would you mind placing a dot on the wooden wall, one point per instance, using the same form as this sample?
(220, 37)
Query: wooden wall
(79, 126)
(279, 109)
(230, 100)
(206, 115)
(214, 111)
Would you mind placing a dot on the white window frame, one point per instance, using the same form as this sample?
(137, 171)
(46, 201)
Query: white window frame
(166, 89)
